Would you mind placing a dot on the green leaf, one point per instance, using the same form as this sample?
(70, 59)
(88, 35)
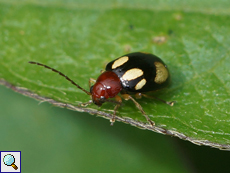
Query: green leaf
(80, 38)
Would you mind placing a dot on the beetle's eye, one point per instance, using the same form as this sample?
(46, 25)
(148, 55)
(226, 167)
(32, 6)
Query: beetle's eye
(102, 99)
(99, 101)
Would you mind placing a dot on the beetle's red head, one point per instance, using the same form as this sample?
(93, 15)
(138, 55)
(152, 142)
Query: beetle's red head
(99, 94)
(108, 85)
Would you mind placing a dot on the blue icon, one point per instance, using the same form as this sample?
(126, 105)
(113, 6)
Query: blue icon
(9, 160)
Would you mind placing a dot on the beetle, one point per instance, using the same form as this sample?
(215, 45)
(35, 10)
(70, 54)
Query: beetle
(131, 74)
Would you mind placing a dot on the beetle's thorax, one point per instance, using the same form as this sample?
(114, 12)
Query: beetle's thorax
(108, 85)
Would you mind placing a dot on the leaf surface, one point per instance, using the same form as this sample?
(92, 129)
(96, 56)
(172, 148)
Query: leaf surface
(80, 38)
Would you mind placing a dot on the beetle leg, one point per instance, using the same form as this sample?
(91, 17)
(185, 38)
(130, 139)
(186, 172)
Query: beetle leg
(138, 95)
(91, 81)
(118, 100)
(171, 103)
(86, 103)
(128, 97)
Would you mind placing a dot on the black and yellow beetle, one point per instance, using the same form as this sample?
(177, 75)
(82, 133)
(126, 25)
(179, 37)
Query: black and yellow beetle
(132, 73)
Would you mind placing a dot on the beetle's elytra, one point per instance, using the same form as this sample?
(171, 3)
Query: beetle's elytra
(129, 74)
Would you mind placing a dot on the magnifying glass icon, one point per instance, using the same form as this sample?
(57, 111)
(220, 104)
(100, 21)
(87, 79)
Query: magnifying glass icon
(9, 160)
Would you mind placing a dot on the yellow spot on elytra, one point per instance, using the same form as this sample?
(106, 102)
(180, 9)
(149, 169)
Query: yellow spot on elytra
(120, 62)
(132, 74)
(140, 84)
(161, 73)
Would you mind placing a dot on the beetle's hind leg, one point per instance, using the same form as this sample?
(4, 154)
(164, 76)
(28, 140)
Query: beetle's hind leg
(170, 103)
(128, 97)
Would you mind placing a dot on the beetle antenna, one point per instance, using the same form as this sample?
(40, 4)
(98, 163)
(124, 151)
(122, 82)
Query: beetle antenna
(60, 73)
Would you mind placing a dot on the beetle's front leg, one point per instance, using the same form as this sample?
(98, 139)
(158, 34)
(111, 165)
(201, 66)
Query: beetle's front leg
(119, 101)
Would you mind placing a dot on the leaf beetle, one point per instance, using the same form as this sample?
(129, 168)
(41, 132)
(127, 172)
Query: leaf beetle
(131, 74)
